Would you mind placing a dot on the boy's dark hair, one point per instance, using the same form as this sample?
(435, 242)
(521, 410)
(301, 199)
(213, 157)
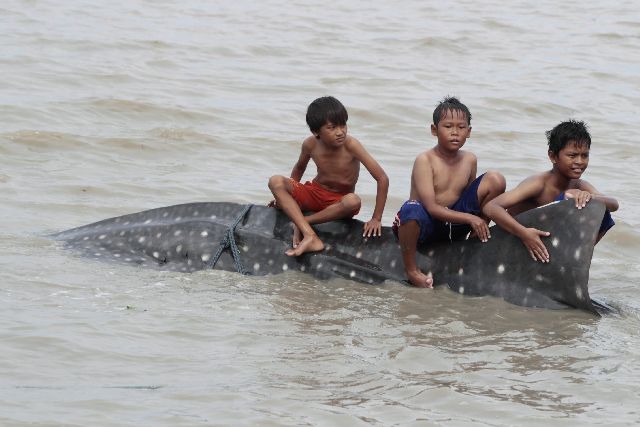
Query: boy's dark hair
(571, 130)
(326, 109)
(450, 104)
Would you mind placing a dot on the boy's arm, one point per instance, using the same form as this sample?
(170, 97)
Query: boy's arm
(422, 181)
(373, 227)
(586, 192)
(301, 165)
(496, 210)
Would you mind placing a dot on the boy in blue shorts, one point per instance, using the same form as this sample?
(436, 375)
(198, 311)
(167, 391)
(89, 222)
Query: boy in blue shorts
(569, 145)
(446, 198)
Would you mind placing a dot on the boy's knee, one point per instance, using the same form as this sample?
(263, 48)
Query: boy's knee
(351, 202)
(277, 181)
(496, 181)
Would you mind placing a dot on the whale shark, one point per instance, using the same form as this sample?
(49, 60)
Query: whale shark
(252, 239)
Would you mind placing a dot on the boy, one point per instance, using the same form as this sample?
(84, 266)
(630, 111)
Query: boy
(569, 144)
(330, 196)
(446, 198)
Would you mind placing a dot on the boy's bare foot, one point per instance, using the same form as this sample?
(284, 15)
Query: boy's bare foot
(297, 236)
(308, 244)
(420, 280)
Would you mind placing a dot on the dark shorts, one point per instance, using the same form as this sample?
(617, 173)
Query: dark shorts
(432, 229)
(607, 221)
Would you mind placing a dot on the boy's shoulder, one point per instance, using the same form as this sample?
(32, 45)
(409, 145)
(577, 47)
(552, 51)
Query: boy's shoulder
(433, 154)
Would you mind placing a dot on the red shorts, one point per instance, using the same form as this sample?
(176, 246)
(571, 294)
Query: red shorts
(311, 196)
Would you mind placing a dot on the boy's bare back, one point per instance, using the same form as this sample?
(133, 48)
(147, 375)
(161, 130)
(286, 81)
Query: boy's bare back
(541, 189)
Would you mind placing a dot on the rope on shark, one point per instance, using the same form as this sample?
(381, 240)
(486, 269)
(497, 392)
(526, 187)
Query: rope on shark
(229, 241)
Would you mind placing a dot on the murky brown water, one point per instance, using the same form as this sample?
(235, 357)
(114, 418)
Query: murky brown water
(110, 109)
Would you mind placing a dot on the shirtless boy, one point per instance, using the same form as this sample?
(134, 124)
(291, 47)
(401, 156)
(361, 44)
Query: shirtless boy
(569, 144)
(446, 198)
(330, 195)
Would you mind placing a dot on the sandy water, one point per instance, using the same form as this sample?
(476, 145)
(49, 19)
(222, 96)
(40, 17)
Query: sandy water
(108, 109)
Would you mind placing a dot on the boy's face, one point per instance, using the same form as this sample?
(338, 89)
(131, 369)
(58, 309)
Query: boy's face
(572, 160)
(333, 135)
(452, 131)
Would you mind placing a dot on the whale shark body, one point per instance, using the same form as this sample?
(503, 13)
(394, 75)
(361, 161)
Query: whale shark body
(253, 239)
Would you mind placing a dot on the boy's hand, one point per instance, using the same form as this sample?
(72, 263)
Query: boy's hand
(581, 197)
(373, 227)
(479, 228)
(533, 243)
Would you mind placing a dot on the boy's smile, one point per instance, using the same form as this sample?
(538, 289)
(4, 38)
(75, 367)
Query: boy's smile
(572, 160)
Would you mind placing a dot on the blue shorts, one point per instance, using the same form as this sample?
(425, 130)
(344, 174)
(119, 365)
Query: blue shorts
(432, 229)
(607, 221)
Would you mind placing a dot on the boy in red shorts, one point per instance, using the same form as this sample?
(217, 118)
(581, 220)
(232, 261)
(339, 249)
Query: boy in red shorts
(330, 195)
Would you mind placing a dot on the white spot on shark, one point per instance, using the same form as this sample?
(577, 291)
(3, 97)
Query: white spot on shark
(141, 239)
(461, 289)
(285, 267)
(256, 266)
(204, 234)
(501, 269)
(102, 236)
(178, 249)
(177, 233)
(205, 257)
(577, 254)
(156, 255)
(359, 254)
(555, 242)
(148, 221)
(352, 274)
(461, 271)
(392, 263)
(245, 248)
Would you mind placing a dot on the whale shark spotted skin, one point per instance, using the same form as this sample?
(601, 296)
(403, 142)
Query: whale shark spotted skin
(187, 238)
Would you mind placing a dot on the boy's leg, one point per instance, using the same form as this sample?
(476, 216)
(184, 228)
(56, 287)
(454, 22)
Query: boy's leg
(345, 208)
(492, 185)
(282, 188)
(408, 237)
